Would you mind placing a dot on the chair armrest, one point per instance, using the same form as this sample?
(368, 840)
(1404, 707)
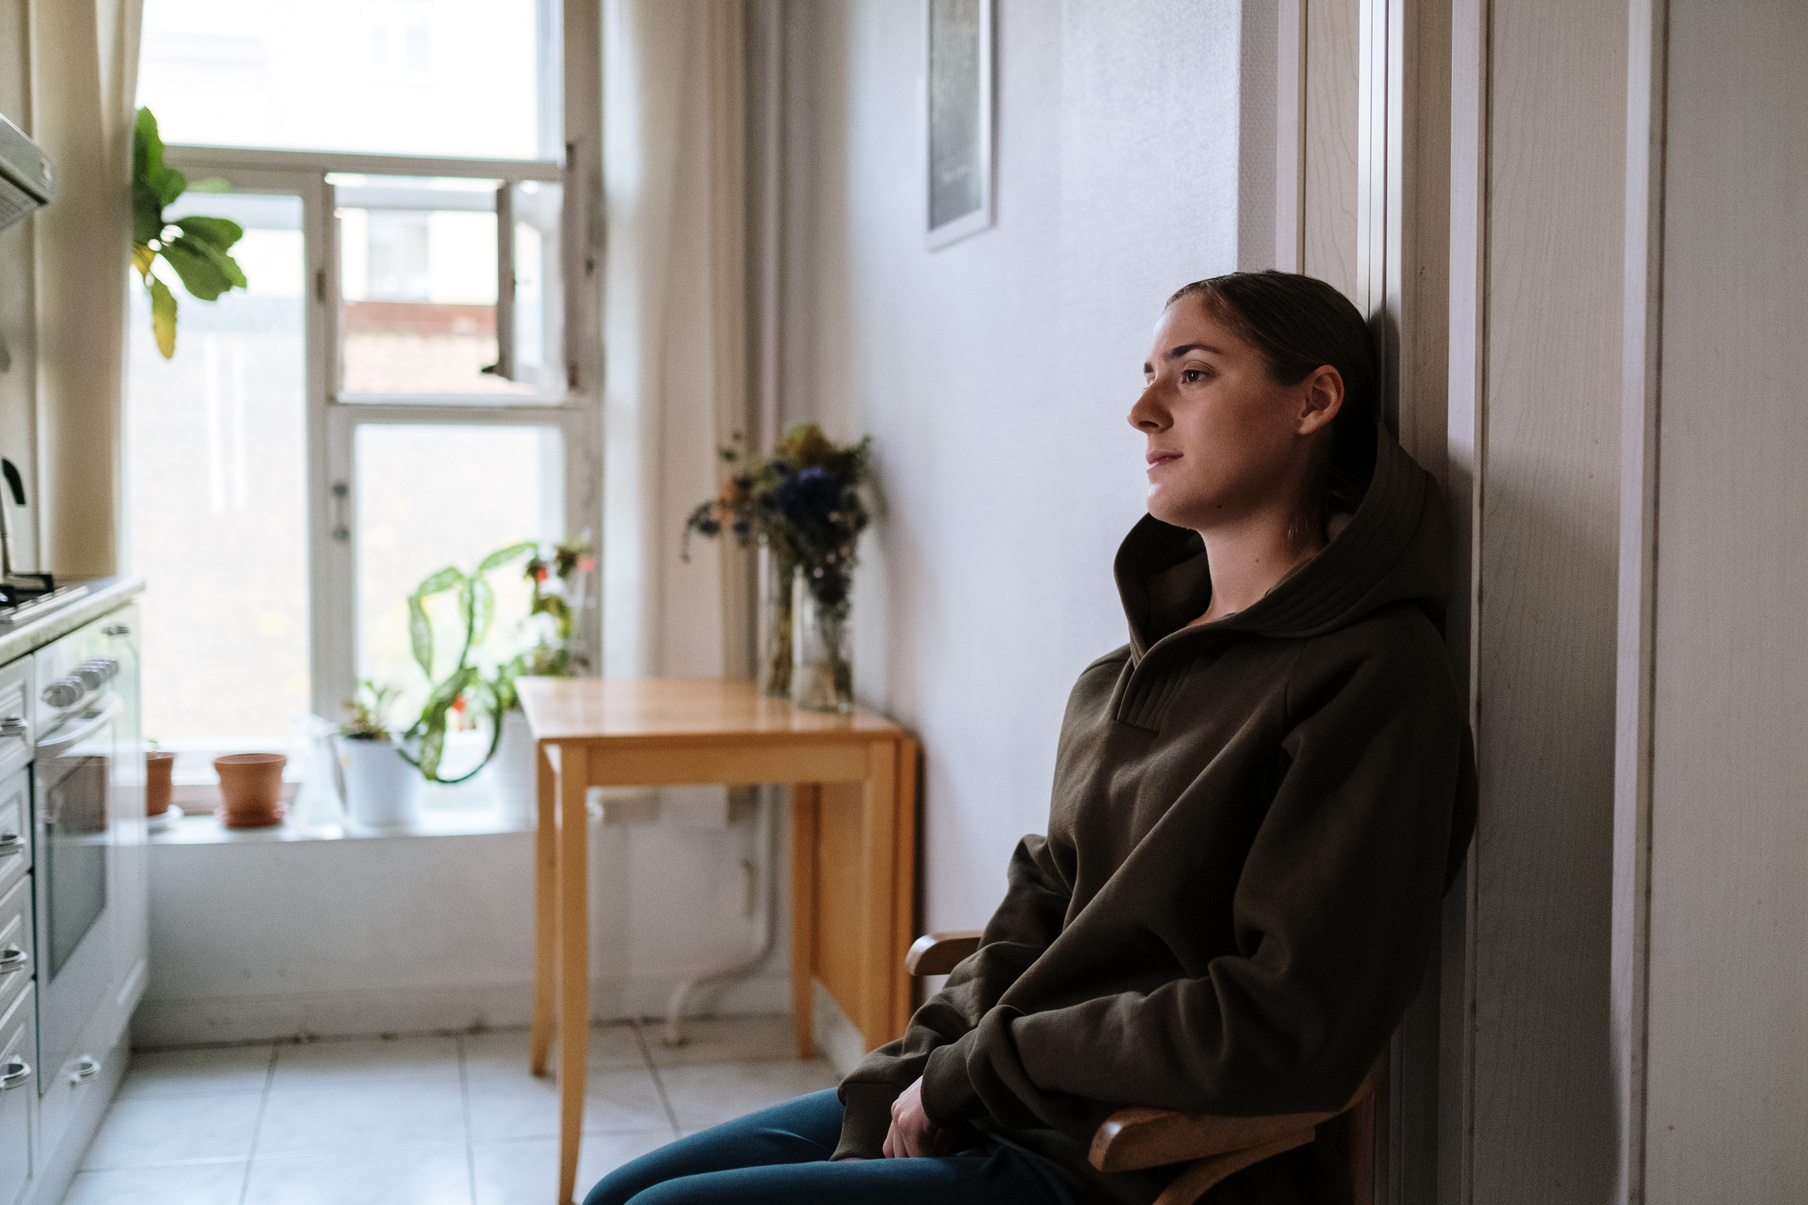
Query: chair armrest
(1136, 1138)
(939, 953)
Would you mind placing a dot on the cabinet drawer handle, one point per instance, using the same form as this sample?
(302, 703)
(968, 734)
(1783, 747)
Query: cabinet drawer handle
(13, 959)
(86, 1068)
(14, 725)
(13, 1073)
(11, 843)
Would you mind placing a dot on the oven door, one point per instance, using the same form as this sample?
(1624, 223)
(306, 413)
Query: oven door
(72, 802)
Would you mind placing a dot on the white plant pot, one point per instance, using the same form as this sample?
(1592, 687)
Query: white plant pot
(379, 784)
(512, 772)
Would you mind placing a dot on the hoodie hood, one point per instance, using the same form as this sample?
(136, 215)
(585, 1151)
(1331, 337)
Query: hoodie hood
(1395, 548)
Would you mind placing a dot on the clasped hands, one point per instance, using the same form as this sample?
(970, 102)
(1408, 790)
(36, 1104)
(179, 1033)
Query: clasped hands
(913, 1135)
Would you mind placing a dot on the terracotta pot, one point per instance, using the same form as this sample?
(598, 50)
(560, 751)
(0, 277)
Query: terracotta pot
(251, 788)
(157, 766)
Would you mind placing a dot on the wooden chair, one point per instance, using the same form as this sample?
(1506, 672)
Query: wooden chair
(1131, 1139)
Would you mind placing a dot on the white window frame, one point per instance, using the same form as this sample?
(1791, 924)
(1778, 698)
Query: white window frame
(332, 423)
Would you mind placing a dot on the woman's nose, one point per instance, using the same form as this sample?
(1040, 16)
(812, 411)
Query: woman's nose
(1148, 414)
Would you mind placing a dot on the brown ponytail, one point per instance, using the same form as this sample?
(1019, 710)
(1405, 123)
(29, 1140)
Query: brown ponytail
(1300, 324)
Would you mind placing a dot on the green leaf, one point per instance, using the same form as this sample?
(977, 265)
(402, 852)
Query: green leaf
(437, 583)
(433, 720)
(165, 183)
(503, 556)
(483, 609)
(163, 317)
(219, 233)
(147, 213)
(205, 271)
(420, 635)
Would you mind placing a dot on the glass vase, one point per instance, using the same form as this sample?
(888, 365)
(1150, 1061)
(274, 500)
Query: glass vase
(822, 673)
(778, 580)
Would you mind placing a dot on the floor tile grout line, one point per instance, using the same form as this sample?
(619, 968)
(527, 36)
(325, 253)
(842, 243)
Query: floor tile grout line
(257, 1126)
(464, 1100)
(646, 1057)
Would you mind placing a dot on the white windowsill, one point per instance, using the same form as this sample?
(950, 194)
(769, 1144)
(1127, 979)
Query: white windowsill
(431, 822)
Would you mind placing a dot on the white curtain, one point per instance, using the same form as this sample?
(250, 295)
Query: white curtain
(675, 331)
(84, 78)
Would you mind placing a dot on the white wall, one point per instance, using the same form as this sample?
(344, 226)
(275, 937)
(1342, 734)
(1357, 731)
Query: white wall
(994, 374)
(266, 938)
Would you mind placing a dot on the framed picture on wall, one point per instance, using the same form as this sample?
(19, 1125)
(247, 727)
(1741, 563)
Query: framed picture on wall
(959, 194)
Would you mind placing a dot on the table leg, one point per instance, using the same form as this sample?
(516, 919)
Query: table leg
(884, 964)
(574, 958)
(546, 881)
(806, 800)
(904, 885)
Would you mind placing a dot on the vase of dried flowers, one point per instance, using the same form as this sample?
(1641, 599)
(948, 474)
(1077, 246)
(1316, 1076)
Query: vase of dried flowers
(822, 669)
(803, 507)
(778, 586)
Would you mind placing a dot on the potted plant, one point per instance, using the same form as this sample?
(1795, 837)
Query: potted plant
(379, 783)
(465, 691)
(557, 582)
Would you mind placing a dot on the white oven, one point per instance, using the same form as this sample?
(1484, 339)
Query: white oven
(82, 726)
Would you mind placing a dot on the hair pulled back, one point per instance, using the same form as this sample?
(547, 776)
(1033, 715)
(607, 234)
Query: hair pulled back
(1300, 324)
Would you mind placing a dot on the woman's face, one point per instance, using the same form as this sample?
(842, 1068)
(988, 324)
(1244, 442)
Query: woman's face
(1225, 439)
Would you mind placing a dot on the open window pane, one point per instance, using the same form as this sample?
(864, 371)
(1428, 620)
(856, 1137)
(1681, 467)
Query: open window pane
(217, 518)
(419, 268)
(430, 496)
(449, 78)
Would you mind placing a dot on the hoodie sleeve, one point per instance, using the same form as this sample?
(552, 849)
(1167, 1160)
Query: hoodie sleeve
(1335, 913)
(1030, 917)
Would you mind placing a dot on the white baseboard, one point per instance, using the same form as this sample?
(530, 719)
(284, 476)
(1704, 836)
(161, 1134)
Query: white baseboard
(425, 1009)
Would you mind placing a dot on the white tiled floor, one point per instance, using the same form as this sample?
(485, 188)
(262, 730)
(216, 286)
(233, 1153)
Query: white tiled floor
(429, 1120)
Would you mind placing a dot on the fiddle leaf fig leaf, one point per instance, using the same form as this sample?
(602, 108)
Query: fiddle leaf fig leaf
(206, 271)
(142, 259)
(147, 213)
(163, 317)
(165, 183)
(219, 233)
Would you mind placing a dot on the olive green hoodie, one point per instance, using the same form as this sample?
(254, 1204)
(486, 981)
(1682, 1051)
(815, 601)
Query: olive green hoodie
(1252, 824)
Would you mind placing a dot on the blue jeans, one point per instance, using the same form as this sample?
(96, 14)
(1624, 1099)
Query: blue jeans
(780, 1156)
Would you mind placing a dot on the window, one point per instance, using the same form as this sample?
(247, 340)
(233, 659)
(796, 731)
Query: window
(392, 394)
(216, 452)
(412, 77)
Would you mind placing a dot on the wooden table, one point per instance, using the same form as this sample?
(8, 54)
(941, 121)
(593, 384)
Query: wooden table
(853, 865)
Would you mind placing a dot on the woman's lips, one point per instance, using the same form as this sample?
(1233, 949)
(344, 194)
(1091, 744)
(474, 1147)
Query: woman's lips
(1157, 459)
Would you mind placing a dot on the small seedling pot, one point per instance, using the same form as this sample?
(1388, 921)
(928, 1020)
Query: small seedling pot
(251, 788)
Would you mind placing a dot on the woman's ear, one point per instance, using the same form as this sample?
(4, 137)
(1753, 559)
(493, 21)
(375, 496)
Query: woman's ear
(1321, 397)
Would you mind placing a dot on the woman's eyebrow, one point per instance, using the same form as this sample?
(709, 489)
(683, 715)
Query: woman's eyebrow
(1184, 348)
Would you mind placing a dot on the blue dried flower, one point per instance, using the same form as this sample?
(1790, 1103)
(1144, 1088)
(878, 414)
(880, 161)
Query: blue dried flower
(809, 495)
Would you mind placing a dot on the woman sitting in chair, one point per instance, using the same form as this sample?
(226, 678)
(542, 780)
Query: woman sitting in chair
(1258, 804)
